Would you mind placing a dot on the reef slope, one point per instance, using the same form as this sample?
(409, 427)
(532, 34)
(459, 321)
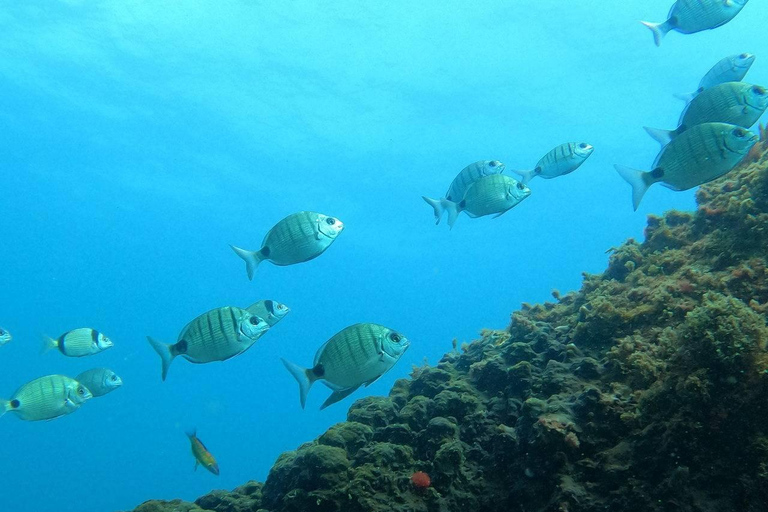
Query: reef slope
(646, 390)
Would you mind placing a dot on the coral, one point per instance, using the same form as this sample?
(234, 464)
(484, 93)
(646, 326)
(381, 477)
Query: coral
(646, 390)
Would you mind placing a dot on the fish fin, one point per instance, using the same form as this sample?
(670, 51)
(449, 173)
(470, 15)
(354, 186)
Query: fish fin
(338, 395)
(49, 344)
(5, 406)
(164, 350)
(191, 433)
(251, 258)
(366, 384)
(637, 181)
(196, 464)
(453, 211)
(663, 137)
(686, 97)
(303, 376)
(659, 30)
(501, 213)
(436, 205)
(527, 175)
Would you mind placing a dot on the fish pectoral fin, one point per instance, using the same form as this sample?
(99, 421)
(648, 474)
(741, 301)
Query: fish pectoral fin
(196, 464)
(338, 395)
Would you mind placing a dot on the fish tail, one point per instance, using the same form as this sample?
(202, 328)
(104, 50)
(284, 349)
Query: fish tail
(5, 406)
(686, 97)
(191, 433)
(48, 344)
(527, 175)
(436, 205)
(303, 376)
(453, 212)
(251, 258)
(637, 180)
(166, 355)
(659, 30)
(663, 137)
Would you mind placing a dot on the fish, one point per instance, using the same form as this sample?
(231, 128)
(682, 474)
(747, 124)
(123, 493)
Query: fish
(299, 237)
(46, 398)
(736, 103)
(5, 336)
(559, 161)
(699, 155)
(80, 342)
(202, 456)
(690, 16)
(216, 335)
(99, 381)
(496, 193)
(729, 69)
(356, 355)
(270, 310)
(458, 187)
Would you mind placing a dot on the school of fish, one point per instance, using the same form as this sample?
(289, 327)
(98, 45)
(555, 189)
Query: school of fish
(711, 138)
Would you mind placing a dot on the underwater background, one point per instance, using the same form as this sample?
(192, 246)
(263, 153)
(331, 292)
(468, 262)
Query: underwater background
(139, 139)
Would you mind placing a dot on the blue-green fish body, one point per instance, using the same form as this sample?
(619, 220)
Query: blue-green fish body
(215, 335)
(458, 187)
(729, 69)
(357, 355)
(559, 161)
(690, 16)
(297, 238)
(79, 342)
(5, 336)
(202, 456)
(735, 103)
(46, 398)
(99, 381)
(699, 155)
(269, 310)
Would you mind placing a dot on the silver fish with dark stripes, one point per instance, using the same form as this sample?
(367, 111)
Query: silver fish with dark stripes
(690, 16)
(46, 398)
(730, 69)
(270, 310)
(736, 103)
(299, 237)
(458, 187)
(494, 194)
(357, 355)
(699, 155)
(5, 336)
(99, 381)
(78, 342)
(559, 161)
(215, 335)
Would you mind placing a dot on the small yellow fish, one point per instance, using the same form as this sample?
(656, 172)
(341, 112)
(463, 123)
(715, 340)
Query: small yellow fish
(202, 456)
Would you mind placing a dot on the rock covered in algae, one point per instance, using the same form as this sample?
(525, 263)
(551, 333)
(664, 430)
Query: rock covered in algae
(646, 390)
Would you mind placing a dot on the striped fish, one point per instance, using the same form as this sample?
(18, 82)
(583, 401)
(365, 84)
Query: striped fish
(559, 161)
(202, 456)
(99, 381)
(358, 354)
(458, 187)
(495, 194)
(78, 342)
(735, 103)
(215, 335)
(700, 154)
(297, 238)
(689, 16)
(5, 336)
(46, 398)
(730, 69)
(270, 310)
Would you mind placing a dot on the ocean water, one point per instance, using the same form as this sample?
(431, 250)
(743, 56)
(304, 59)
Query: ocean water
(139, 139)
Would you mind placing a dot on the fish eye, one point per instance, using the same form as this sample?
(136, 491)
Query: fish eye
(395, 337)
(492, 164)
(758, 90)
(113, 378)
(254, 320)
(330, 221)
(520, 186)
(281, 306)
(743, 56)
(80, 391)
(739, 132)
(2, 332)
(583, 145)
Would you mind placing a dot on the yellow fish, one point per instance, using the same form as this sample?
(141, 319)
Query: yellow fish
(202, 456)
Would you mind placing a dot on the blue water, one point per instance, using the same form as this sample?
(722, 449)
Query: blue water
(139, 139)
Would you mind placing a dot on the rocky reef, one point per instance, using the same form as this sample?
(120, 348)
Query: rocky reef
(646, 390)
